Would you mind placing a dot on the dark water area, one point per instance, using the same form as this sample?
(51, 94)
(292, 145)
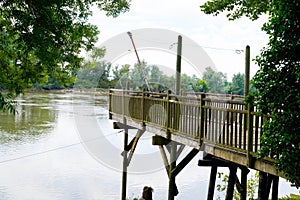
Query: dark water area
(43, 154)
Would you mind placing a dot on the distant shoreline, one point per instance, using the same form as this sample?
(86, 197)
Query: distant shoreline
(97, 91)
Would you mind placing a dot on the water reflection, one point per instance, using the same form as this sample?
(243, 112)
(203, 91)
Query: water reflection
(35, 116)
(42, 156)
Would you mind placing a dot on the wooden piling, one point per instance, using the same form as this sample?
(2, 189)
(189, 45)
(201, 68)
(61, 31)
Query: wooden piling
(212, 182)
(231, 183)
(125, 164)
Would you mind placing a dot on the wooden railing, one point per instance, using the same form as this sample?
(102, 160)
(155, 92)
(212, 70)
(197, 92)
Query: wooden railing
(224, 120)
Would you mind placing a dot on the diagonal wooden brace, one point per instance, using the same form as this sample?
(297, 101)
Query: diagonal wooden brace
(133, 144)
(185, 161)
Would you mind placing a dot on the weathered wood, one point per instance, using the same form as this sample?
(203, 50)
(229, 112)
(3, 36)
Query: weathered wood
(121, 125)
(231, 183)
(159, 140)
(247, 71)
(212, 182)
(262, 186)
(244, 173)
(180, 149)
(185, 161)
(165, 159)
(250, 136)
(172, 177)
(275, 188)
(213, 163)
(134, 144)
(125, 164)
(218, 124)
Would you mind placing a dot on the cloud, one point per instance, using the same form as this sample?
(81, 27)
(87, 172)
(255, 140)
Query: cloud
(186, 17)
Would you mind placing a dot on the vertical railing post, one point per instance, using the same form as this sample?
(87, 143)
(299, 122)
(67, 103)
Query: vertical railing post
(202, 119)
(143, 106)
(123, 104)
(109, 104)
(169, 117)
(250, 135)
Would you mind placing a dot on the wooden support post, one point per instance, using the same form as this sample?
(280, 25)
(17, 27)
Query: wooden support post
(275, 188)
(172, 184)
(212, 182)
(231, 183)
(178, 65)
(244, 173)
(247, 71)
(185, 161)
(171, 168)
(268, 185)
(262, 186)
(125, 164)
(250, 136)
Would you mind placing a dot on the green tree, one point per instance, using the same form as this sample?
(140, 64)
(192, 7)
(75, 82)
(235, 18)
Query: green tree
(216, 81)
(45, 37)
(94, 72)
(237, 86)
(137, 75)
(120, 76)
(277, 82)
(200, 86)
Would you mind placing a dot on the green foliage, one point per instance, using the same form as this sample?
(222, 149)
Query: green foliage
(236, 8)
(216, 81)
(200, 86)
(278, 88)
(252, 186)
(291, 197)
(7, 103)
(238, 81)
(41, 39)
(94, 73)
(277, 82)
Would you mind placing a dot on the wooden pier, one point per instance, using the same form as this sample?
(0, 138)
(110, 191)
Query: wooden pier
(224, 127)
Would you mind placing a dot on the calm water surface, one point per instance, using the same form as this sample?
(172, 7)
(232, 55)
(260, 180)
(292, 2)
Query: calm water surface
(42, 156)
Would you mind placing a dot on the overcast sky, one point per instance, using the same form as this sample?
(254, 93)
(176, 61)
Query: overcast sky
(218, 36)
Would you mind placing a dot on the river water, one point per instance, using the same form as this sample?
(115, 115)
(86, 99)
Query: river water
(46, 154)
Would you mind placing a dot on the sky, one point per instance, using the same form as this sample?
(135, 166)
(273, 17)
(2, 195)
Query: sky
(219, 37)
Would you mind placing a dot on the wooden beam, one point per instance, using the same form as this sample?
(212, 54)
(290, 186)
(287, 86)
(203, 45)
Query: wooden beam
(212, 182)
(275, 187)
(159, 140)
(134, 144)
(238, 184)
(212, 163)
(172, 177)
(119, 125)
(179, 151)
(165, 159)
(125, 164)
(244, 173)
(231, 182)
(185, 161)
(262, 186)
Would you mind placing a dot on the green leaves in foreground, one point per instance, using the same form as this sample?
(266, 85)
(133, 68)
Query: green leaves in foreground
(7, 103)
(277, 82)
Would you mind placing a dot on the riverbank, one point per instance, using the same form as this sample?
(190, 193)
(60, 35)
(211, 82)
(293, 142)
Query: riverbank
(93, 91)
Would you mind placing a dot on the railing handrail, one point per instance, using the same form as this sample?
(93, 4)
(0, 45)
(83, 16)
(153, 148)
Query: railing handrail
(220, 112)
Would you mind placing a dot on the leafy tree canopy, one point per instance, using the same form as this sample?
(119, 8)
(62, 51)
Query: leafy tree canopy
(277, 82)
(42, 37)
(237, 8)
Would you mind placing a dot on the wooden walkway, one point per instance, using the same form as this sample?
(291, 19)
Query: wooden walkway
(223, 126)
(220, 125)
